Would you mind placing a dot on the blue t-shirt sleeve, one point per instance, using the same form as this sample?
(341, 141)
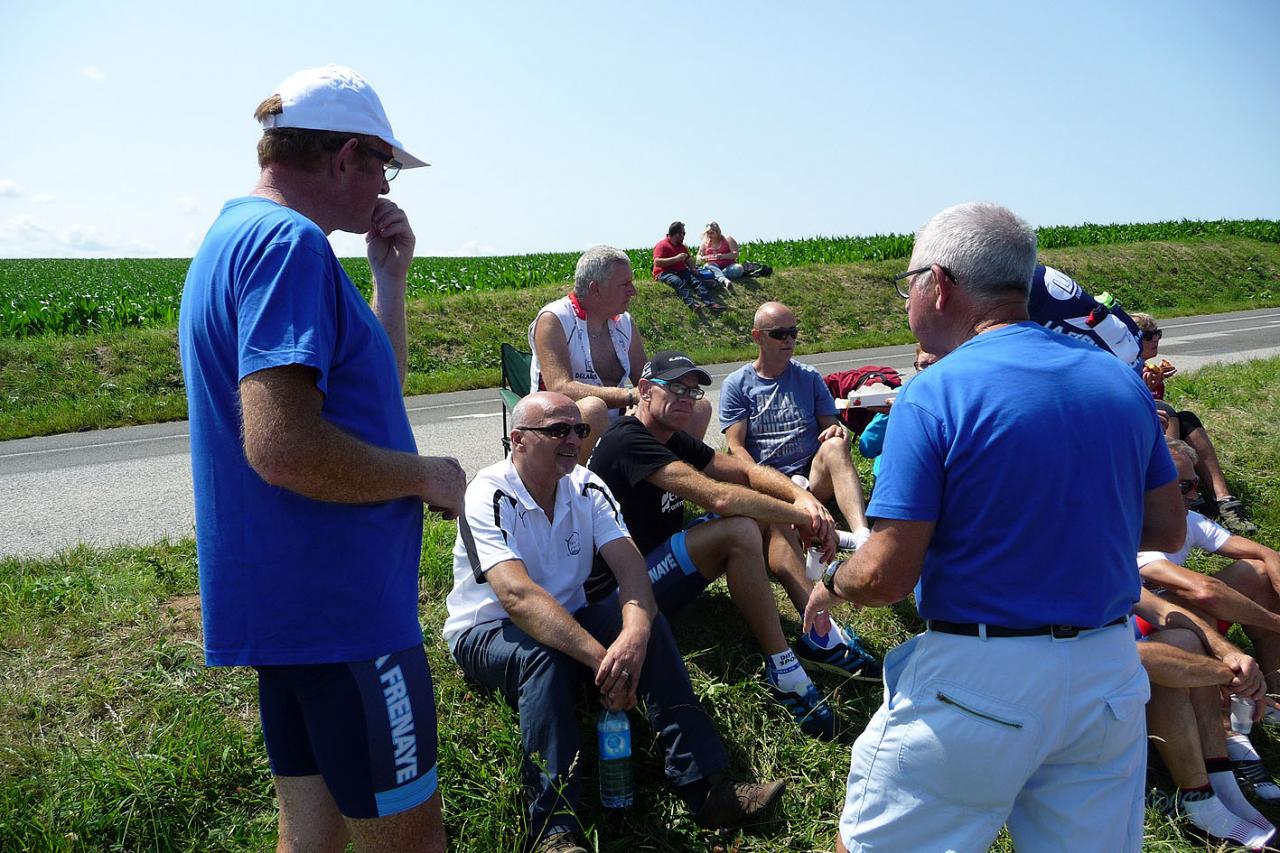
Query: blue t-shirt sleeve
(286, 311)
(909, 487)
(871, 442)
(733, 400)
(823, 402)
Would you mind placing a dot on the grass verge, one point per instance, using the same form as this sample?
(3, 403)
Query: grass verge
(54, 383)
(114, 736)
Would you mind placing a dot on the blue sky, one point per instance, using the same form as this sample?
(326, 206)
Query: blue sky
(555, 126)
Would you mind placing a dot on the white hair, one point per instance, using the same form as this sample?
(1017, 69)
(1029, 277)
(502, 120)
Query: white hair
(985, 247)
(594, 265)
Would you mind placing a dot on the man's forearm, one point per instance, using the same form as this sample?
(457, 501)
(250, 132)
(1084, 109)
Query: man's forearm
(389, 307)
(542, 618)
(614, 398)
(774, 483)
(322, 462)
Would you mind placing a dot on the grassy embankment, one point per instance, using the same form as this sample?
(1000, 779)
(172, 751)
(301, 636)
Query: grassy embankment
(62, 383)
(114, 737)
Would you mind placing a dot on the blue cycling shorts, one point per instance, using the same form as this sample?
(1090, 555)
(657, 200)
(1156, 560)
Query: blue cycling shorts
(367, 727)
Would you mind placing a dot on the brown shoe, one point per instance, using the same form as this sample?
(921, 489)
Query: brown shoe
(732, 803)
(560, 842)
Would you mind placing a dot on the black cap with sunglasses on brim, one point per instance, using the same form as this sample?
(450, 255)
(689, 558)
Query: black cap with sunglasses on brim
(669, 365)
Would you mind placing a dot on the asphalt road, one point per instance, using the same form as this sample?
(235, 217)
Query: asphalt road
(133, 484)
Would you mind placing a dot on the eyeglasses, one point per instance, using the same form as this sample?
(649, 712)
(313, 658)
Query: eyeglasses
(560, 430)
(693, 392)
(782, 334)
(905, 293)
(390, 165)
(1188, 486)
(920, 365)
(1153, 335)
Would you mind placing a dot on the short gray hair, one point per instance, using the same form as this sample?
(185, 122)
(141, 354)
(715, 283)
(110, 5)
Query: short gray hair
(1177, 446)
(594, 265)
(987, 249)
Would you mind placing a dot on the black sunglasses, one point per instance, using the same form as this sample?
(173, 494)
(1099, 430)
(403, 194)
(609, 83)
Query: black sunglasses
(561, 429)
(1188, 486)
(782, 334)
(1153, 335)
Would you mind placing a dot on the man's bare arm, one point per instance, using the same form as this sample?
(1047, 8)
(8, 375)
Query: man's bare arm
(1209, 595)
(540, 616)
(735, 436)
(553, 361)
(723, 498)
(290, 444)
(771, 482)
(888, 565)
(683, 257)
(389, 246)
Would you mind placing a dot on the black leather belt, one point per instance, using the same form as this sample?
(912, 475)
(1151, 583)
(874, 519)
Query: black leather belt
(974, 629)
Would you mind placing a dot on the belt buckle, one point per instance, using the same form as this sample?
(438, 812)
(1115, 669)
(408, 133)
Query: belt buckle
(1064, 632)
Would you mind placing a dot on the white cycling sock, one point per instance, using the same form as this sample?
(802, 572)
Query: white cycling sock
(1240, 748)
(785, 673)
(1217, 820)
(1228, 790)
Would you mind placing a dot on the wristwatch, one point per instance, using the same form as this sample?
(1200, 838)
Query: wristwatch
(829, 576)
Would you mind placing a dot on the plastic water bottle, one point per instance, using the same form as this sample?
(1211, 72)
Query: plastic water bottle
(614, 733)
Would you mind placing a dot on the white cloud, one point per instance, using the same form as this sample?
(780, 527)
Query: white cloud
(187, 204)
(10, 189)
(24, 236)
(44, 198)
(94, 73)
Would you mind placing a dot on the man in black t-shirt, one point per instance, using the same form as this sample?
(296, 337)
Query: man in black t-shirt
(651, 465)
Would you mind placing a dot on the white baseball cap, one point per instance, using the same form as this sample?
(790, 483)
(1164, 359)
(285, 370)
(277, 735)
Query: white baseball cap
(336, 98)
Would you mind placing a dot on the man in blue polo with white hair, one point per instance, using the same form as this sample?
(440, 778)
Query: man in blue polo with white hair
(309, 488)
(1022, 703)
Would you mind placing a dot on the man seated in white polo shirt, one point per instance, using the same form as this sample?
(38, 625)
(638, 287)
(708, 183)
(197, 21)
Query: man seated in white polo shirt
(1247, 591)
(519, 624)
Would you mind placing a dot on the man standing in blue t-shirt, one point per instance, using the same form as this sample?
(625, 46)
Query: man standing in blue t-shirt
(309, 488)
(1021, 474)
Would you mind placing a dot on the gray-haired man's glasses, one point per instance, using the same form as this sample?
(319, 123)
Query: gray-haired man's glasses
(904, 290)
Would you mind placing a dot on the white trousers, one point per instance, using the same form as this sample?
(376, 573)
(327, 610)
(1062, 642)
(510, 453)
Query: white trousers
(1048, 736)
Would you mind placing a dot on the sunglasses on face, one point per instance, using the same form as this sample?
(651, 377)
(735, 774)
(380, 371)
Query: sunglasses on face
(1153, 336)
(693, 392)
(1188, 486)
(782, 334)
(561, 429)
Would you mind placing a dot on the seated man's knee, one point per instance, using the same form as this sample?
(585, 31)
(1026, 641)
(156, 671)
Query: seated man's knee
(594, 411)
(1179, 638)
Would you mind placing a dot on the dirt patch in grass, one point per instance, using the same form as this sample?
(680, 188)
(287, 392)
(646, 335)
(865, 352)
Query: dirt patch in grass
(181, 616)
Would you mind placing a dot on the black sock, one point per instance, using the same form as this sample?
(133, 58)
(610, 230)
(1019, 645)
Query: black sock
(1217, 765)
(1194, 795)
(694, 794)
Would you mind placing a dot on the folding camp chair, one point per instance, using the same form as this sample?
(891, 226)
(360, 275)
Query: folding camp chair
(515, 384)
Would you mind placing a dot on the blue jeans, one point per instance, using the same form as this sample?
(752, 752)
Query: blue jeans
(726, 275)
(542, 685)
(685, 284)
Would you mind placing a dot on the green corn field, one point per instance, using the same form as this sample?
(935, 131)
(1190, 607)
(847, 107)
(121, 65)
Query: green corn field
(78, 296)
